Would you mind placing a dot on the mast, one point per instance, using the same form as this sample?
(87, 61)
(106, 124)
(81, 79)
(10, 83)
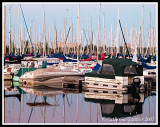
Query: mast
(147, 43)
(153, 42)
(4, 30)
(19, 31)
(48, 39)
(17, 44)
(103, 34)
(93, 43)
(126, 35)
(31, 32)
(133, 44)
(23, 40)
(155, 36)
(131, 39)
(74, 43)
(20, 40)
(137, 34)
(54, 35)
(56, 41)
(65, 24)
(39, 39)
(10, 29)
(44, 31)
(64, 37)
(135, 49)
(118, 38)
(35, 37)
(98, 32)
(142, 42)
(72, 37)
(12, 38)
(111, 41)
(59, 41)
(81, 42)
(113, 38)
(87, 41)
(123, 38)
(150, 36)
(91, 38)
(124, 49)
(78, 18)
(108, 42)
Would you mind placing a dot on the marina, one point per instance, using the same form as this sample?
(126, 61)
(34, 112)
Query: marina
(79, 71)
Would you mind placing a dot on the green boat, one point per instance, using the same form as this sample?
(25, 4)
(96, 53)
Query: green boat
(116, 74)
(24, 70)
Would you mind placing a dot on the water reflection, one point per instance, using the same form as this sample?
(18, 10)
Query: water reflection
(74, 105)
(115, 105)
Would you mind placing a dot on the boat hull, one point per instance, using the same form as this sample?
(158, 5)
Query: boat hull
(119, 83)
(7, 76)
(55, 81)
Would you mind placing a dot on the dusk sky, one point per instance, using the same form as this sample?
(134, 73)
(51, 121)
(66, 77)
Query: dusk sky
(33, 12)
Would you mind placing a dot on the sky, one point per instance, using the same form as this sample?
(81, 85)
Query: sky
(33, 12)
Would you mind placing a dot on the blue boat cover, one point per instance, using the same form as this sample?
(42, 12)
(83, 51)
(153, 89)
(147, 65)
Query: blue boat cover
(154, 58)
(146, 66)
(148, 60)
(68, 60)
(96, 67)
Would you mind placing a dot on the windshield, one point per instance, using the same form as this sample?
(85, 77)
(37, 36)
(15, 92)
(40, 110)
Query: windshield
(108, 69)
(130, 69)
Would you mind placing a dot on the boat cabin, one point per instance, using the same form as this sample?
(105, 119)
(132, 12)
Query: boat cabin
(115, 73)
(117, 67)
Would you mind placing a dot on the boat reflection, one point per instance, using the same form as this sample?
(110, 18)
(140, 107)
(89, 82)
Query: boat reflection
(45, 92)
(12, 94)
(42, 91)
(116, 105)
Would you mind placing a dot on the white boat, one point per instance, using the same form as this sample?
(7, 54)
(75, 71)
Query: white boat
(150, 75)
(116, 74)
(58, 74)
(82, 67)
(50, 77)
(13, 68)
(39, 61)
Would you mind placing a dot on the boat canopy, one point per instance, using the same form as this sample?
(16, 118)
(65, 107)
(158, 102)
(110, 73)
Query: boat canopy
(110, 109)
(117, 67)
(121, 110)
(120, 65)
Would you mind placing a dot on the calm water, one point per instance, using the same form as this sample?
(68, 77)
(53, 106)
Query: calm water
(45, 105)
